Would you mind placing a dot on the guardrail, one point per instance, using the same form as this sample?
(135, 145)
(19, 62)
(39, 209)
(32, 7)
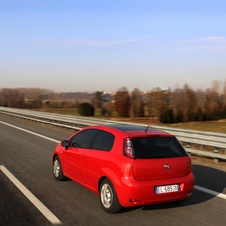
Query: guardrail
(216, 140)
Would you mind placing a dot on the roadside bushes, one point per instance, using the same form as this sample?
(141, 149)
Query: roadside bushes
(167, 116)
(86, 109)
(107, 109)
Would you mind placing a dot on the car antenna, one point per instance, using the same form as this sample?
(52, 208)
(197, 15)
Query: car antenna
(146, 129)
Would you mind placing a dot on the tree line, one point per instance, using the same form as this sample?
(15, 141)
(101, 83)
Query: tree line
(173, 106)
(166, 106)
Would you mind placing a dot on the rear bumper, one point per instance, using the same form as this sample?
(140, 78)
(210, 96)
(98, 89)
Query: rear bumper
(136, 193)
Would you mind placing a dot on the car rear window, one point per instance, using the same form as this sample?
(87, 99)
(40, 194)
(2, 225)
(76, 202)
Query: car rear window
(157, 147)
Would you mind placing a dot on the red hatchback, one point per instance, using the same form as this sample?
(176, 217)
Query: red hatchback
(126, 165)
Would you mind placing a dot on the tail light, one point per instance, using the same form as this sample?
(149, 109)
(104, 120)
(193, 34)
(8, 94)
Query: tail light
(128, 148)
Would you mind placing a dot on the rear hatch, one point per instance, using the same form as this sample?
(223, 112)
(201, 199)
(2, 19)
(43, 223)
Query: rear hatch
(159, 158)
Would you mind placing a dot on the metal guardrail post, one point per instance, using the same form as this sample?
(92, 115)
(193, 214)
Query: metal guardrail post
(216, 151)
(188, 145)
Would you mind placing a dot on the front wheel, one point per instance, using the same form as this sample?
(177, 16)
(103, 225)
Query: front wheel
(57, 169)
(108, 197)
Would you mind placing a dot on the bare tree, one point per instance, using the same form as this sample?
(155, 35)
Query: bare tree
(213, 103)
(137, 104)
(97, 99)
(108, 109)
(189, 103)
(224, 93)
(215, 86)
(158, 102)
(122, 102)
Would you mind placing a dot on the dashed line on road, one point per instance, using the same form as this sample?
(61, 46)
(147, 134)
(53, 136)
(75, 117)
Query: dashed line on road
(37, 203)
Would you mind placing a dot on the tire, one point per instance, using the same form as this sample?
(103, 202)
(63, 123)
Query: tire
(57, 169)
(108, 197)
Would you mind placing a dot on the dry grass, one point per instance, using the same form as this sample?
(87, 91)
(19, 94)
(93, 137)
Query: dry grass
(210, 126)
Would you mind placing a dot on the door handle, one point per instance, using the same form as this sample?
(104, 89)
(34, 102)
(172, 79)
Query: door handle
(84, 155)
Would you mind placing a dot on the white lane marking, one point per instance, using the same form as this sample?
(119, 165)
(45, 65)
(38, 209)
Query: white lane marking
(211, 192)
(36, 134)
(39, 205)
(208, 191)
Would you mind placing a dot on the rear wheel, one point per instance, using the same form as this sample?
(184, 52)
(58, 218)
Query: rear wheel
(108, 197)
(57, 169)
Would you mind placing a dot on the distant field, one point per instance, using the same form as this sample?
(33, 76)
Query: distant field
(210, 126)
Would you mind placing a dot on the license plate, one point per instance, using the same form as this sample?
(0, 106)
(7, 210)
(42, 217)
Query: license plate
(167, 189)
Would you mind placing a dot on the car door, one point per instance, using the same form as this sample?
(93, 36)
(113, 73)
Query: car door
(75, 157)
(99, 157)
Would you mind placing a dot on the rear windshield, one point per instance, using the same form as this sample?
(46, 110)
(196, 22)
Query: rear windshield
(157, 147)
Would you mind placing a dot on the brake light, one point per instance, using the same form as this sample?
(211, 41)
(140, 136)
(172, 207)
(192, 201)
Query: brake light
(128, 148)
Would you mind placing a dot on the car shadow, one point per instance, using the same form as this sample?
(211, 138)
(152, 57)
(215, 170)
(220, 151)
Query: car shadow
(206, 177)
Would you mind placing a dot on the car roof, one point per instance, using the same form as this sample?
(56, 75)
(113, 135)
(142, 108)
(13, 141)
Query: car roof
(128, 127)
(135, 130)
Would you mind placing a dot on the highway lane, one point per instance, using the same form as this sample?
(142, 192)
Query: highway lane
(28, 158)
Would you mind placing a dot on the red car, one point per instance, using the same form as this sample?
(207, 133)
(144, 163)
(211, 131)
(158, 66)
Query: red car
(126, 165)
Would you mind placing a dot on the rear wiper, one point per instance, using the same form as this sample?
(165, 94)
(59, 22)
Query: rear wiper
(153, 156)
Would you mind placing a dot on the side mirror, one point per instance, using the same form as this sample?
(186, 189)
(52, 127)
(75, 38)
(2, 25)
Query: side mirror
(65, 144)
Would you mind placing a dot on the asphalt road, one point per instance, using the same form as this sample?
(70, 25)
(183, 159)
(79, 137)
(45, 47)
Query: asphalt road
(27, 157)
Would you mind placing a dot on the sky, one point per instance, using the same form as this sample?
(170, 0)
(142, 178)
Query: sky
(103, 45)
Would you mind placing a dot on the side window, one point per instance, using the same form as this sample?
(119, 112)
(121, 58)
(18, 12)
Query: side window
(84, 138)
(104, 141)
